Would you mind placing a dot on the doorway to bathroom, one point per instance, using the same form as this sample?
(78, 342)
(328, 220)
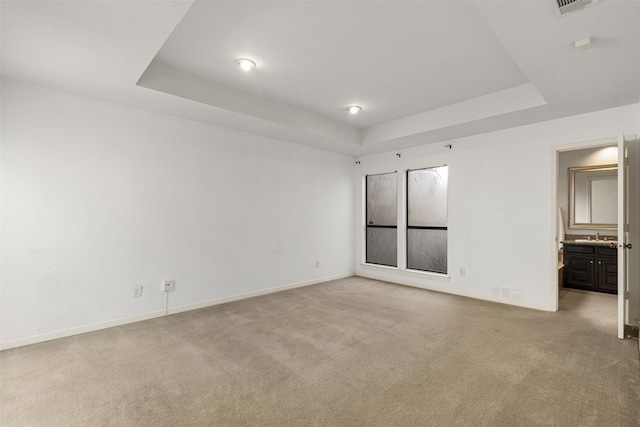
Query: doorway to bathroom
(596, 187)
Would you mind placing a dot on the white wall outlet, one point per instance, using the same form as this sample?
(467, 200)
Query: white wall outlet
(317, 264)
(168, 285)
(137, 291)
(462, 271)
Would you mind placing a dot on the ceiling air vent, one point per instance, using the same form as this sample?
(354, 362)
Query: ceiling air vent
(567, 6)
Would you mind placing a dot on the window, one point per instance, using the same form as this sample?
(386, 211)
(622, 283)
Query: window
(382, 219)
(427, 219)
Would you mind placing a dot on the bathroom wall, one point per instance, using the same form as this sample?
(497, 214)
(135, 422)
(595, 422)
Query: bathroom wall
(576, 158)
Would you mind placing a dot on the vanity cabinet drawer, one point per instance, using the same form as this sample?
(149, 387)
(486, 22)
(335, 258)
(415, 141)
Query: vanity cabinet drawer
(607, 251)
(579, 249)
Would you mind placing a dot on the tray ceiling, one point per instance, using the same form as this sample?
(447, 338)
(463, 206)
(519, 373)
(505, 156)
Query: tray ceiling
(422, 71)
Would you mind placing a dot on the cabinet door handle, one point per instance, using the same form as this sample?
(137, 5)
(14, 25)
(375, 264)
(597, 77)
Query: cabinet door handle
(591, 262)
(599, 262)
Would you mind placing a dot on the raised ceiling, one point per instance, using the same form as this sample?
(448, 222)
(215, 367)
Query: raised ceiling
(424, 72)
(322, 56)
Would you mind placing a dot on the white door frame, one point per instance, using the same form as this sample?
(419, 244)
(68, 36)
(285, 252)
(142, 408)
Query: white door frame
(555, 151)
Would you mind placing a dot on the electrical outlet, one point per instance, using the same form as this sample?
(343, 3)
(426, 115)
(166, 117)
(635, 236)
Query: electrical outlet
(317, 264)
(168, 285)
(461, 271)
(137, 291)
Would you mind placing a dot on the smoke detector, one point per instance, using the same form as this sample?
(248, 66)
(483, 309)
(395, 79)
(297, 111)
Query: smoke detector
(583, 44)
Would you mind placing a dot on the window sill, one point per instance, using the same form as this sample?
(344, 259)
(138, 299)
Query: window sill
(438, 277)
(379, 267)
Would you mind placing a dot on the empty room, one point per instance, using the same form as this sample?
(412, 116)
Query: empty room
(319, 213)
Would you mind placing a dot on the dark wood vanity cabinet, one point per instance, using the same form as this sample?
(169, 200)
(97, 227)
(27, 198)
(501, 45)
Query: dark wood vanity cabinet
(591, 267)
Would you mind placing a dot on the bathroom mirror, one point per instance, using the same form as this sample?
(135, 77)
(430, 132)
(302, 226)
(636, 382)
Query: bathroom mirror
(593, 197)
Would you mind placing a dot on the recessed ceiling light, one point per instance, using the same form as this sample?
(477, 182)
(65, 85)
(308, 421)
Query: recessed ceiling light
(246, 64)
(354, 109)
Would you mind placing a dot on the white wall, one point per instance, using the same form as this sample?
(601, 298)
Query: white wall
(98, 197)
(502, 197)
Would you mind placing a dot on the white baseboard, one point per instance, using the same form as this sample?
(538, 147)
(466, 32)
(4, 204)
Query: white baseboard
(252, 294)
(79, 330)
(449, 290)
(126, 320)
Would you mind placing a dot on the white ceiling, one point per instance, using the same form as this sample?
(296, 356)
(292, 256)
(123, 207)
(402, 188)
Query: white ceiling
(323, 56)
(424, 71)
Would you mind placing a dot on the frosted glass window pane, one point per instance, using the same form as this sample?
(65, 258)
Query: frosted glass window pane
(427, 250)
(427, 197)
(382, 244)
(382, 199)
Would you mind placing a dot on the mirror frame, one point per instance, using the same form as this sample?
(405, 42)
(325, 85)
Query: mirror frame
(586, 226)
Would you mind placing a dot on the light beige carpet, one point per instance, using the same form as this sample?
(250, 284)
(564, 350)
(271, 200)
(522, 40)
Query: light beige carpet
(352, 352)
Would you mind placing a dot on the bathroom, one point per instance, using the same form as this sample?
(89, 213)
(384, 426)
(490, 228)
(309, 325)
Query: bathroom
(587, 233)
(587, 211)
